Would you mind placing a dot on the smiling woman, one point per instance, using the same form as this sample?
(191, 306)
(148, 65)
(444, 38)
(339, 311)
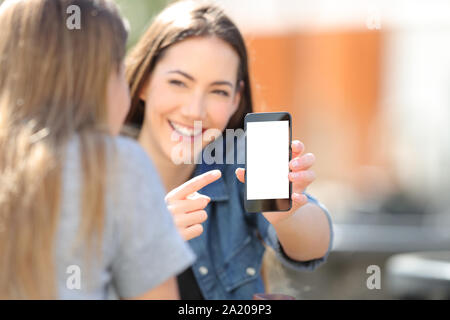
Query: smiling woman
(191, 66)
(195, 80)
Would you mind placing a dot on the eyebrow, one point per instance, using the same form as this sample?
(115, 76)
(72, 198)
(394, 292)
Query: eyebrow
(188, 76)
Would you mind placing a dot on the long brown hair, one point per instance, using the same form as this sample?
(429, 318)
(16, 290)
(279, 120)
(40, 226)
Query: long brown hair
(180, 21)
(53, 86)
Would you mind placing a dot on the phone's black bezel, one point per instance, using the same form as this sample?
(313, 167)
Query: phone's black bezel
(267, 205)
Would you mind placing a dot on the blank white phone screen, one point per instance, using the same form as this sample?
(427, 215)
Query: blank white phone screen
(267, 160)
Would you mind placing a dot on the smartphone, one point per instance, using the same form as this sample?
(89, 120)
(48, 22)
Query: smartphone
(268, 138)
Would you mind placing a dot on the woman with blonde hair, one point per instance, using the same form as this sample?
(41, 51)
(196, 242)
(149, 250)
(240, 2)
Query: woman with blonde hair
(66, 206)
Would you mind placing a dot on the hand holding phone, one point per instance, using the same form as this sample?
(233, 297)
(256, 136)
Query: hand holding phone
(267, 156)
(297, 170)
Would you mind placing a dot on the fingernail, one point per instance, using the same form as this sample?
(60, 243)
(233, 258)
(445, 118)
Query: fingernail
(296, 163)
(294, 175)
(216, 173)
(297, 144)
(309, 157)
(306, 175)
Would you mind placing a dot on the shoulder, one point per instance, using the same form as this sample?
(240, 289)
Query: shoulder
(134, 190)
(127, 164)
(129, 150)
(126, 157)
(120, 147)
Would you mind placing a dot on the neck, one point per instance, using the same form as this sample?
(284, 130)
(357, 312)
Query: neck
(172, 175)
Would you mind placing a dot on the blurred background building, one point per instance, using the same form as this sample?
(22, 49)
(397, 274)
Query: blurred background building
(368, 85)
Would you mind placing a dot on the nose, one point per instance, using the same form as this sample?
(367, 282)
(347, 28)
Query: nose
(195, 107)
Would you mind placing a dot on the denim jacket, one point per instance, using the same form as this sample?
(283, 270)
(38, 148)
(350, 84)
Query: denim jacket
(230, 249)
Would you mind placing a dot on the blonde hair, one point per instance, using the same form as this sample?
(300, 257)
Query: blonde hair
(53, 86)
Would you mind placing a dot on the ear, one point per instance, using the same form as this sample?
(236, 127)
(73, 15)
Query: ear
(143, 94)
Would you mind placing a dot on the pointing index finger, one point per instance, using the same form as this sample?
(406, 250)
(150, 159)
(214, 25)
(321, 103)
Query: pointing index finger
(194, 185)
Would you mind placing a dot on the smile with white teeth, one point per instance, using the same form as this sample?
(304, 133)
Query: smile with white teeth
(186, 131)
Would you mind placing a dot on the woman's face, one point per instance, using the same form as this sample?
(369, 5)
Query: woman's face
(118, 99)
(195, 82)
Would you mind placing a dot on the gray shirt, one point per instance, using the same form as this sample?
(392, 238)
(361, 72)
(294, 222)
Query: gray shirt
(141, 247)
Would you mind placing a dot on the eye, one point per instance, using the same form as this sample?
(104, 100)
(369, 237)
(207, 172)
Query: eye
(177, 83)
(221, 93)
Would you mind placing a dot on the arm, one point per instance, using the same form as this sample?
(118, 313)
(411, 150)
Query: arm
(143, 230)
(305, 235)
(304, 232)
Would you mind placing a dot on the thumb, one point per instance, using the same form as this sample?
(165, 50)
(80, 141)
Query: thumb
(240, 174)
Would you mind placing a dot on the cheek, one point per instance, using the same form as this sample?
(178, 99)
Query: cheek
(158, 107)
(160, 101)
(220, 114)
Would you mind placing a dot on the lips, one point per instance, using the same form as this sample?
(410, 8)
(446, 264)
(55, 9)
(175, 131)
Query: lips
(186, 131)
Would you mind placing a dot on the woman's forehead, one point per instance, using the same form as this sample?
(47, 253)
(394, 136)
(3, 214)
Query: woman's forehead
(202, 56)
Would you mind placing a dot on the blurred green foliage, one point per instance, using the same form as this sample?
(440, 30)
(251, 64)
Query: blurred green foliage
(139, 14)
